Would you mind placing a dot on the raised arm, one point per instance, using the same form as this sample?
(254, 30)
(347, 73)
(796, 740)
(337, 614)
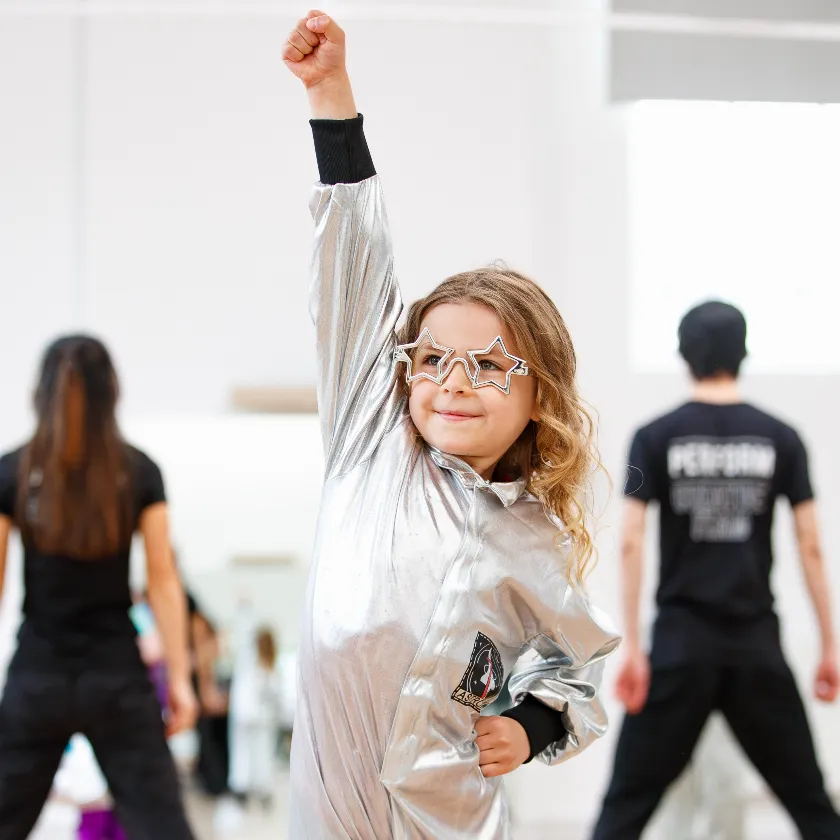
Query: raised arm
(355, 298)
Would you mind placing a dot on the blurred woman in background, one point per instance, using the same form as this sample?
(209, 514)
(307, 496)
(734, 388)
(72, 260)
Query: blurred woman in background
(79, 780)
(77, 492)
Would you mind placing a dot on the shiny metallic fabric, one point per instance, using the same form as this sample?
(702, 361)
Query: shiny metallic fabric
(428, 584)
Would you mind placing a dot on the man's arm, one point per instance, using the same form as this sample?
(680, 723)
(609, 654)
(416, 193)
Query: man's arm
(632, 565)
(5, 531)
(634, 677)
(816, 580)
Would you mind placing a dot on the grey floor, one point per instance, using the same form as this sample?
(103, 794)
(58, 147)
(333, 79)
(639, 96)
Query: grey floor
(225, 821)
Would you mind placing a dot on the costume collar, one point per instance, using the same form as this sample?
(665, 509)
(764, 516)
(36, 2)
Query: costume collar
(508, 492)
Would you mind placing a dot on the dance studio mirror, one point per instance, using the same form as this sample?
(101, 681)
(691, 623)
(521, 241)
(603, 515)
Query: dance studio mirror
(243, 491)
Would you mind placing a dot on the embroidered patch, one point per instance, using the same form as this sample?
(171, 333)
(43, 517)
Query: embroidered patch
(484, 677)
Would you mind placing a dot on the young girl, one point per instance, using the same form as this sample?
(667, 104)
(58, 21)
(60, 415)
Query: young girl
(255, 710)
(451, 541)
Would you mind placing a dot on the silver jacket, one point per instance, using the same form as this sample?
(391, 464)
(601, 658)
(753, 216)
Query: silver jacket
(428, 585)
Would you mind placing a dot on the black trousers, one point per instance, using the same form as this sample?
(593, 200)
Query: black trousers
(764, 710)
(213, 754)
(120, 715)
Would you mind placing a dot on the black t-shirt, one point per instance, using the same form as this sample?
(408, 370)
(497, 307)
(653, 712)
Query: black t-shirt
(72, 606)
(716, 472)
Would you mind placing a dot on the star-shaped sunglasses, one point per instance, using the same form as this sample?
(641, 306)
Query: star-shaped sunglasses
(426, 359)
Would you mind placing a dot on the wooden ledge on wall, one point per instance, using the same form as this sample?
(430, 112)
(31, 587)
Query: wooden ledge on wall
(263, 561)
(275, 400)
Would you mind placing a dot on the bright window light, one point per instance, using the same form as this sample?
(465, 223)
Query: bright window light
(737, 201)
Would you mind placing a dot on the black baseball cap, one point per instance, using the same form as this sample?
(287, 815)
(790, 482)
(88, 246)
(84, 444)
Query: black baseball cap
(713, 339)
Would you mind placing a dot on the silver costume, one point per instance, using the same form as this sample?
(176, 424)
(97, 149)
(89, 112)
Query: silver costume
(428, 585)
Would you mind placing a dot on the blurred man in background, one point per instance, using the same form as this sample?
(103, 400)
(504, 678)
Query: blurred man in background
(716, 466)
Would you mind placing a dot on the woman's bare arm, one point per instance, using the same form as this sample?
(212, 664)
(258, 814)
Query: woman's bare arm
(169, 604)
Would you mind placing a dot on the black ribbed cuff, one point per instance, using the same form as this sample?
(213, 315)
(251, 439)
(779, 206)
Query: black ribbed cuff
(342, 151)
(542, 725)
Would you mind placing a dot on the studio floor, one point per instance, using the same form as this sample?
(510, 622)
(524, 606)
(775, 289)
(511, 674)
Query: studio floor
(224, 820)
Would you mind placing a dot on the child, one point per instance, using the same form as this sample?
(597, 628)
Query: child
(451, 538)
(255, 711)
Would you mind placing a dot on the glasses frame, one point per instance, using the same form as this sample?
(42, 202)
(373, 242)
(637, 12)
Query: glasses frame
(449, 360)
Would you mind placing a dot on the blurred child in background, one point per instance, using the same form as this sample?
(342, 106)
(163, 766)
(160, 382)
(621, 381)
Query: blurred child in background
(255, 709)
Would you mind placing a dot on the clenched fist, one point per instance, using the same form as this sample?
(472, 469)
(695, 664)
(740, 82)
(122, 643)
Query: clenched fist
(827, 681)
(634, 682)
(503, 745)
(314, 50)
(183, 707)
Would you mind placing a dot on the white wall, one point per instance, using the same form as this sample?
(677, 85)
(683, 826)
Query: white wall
(494, 141)
(228, 481)
(37, 201)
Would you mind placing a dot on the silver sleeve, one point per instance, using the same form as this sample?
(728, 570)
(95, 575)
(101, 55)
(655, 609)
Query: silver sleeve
(355, 304)
(564, 669)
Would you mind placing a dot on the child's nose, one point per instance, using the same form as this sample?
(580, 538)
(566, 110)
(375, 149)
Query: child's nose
(458, 379)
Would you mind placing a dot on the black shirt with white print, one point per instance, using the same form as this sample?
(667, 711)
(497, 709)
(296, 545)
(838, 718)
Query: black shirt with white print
(344, 158)
(716, 472)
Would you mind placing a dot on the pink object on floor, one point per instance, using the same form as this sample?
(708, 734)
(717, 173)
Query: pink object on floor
(100, 825)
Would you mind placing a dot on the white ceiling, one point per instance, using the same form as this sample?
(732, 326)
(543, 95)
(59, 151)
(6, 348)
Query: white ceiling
(678, 16)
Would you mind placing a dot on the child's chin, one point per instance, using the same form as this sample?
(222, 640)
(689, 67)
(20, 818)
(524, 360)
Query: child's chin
(451, 444)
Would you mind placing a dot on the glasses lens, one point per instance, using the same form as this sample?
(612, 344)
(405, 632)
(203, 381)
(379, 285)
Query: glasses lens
(493, 367)
(426, 359)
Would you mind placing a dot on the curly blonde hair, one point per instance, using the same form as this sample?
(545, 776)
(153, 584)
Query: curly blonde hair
(557, 453)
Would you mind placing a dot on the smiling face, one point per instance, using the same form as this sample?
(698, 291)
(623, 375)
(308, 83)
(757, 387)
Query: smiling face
(478, 425)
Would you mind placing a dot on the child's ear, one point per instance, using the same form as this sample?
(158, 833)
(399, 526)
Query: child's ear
(535, 412)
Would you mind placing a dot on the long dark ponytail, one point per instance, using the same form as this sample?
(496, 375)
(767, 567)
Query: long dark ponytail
(74, 486)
